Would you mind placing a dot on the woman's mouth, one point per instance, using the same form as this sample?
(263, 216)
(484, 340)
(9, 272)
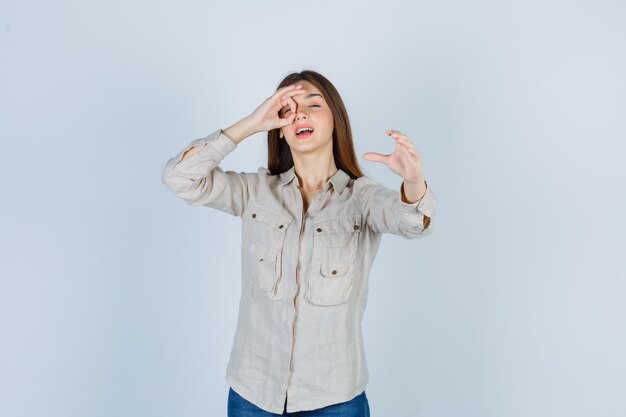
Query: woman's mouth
(304, 134)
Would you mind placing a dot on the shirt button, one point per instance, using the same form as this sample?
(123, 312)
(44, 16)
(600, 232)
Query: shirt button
(356, 227)
(280, 227)
(319, 230)
(253, 215)
(334, 272)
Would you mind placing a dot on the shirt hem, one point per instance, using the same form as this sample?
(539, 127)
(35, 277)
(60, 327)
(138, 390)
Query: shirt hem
(243, 392)
(300, 405)
(315, 405)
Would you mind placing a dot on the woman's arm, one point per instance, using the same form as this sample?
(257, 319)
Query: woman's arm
(237, 132)
(195, 176)
(408, 213)
(408, 191)
(385, 211)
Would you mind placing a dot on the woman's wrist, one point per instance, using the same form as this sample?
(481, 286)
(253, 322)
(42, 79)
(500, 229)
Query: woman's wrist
(413, 191)
(240, 130)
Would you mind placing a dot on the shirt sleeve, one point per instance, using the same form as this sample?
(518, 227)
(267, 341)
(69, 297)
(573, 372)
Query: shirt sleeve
(199, 180)
(385, 212)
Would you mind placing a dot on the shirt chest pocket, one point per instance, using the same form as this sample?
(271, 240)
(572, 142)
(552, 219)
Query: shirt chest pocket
(333, 263)
(266, 236)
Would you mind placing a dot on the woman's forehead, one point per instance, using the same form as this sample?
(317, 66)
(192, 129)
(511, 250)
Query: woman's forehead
(307, 85)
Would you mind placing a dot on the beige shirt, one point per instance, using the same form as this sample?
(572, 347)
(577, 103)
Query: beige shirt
(304, 279)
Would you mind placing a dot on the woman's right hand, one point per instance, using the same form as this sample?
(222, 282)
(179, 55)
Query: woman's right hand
(265, 117)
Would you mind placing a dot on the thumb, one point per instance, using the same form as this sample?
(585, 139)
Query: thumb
(376, 157)
(282, 122)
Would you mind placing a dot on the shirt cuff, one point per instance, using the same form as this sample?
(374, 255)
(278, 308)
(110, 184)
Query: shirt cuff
(425, 205)
(216, 141)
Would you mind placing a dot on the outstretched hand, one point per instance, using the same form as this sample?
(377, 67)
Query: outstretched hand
(404, 161)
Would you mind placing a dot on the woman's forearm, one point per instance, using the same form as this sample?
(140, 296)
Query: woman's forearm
(240, 130)
(236, 132)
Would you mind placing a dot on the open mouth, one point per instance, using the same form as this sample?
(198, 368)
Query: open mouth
(304, 132)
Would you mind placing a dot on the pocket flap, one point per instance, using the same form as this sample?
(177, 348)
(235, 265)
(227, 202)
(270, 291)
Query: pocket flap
(276, 220)
(336, 269)
(338, 225)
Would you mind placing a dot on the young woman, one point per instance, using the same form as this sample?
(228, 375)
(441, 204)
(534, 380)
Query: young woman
(311, 227)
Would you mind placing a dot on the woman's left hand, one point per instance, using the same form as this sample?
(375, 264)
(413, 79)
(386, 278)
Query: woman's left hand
(404, 161)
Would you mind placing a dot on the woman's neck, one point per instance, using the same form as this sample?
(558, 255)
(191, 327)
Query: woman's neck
(313, 174)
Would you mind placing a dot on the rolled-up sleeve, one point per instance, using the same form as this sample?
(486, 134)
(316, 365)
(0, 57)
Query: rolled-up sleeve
(199, 180)
(385, 212)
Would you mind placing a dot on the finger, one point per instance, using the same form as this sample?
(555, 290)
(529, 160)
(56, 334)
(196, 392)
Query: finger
(412, 148)
(392, 131)
(407, 143)
(395, 131)
(292, 104)
(290, 93)
(412, 153)
(288, 87)
(286, 99)
(403, 142)
(395, 134)
(282, 122)
(376, 157)
(399, 140)
(404, 145)
(403, 139)
(282, 93)
(288, 102)
(277, 96)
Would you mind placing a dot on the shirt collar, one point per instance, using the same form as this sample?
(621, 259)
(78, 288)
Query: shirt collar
(339, 180)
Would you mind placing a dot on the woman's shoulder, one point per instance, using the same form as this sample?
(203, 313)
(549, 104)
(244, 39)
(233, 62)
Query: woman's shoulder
(268, 179)
(365, 181)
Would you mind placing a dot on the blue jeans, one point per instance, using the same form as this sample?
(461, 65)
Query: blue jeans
(356, 407)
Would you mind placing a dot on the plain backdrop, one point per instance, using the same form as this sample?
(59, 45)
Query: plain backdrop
(119, 299)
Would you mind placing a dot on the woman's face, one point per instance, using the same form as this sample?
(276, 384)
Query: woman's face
(313, 111)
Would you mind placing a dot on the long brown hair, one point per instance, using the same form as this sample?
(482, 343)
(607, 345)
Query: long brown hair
(278, 154)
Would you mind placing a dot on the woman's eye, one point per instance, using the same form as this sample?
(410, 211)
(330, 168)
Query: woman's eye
(288, 109)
